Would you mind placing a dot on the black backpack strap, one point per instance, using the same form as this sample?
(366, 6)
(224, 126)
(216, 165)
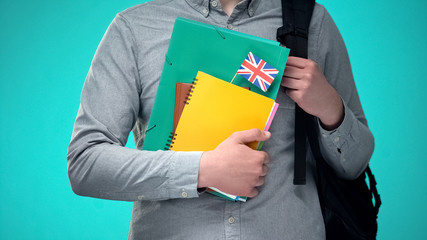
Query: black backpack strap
(296, 20)
(373, 189)
(294, 35)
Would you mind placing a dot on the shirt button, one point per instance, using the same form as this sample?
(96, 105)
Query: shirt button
(214, 3)
(251, 11)
(230, 26)
(184, 194)
(140, 197)
(205, 11)
(231, 220)
(336, 139)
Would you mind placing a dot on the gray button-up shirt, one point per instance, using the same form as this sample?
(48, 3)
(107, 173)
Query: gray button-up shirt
(118, 97)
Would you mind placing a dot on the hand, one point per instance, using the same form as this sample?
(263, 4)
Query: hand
(233, 167)
(308, 87)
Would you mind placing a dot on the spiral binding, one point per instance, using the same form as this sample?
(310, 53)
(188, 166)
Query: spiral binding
(172, 136)
(170, 140)
(190, 94)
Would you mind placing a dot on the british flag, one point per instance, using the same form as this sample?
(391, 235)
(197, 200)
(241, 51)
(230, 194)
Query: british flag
(257, 71)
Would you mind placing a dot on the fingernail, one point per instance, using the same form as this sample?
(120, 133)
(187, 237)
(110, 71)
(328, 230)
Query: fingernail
(267, 133)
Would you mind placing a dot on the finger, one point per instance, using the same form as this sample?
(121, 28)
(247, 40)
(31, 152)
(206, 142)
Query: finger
(293, 72)
(251, 135)
(266, 157)
(264, 170)
(291, 83)
(297, 62)
(260, 182)
(253, 193)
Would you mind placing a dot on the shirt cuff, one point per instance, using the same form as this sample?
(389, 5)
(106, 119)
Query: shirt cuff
(184, 173)
(337, 138)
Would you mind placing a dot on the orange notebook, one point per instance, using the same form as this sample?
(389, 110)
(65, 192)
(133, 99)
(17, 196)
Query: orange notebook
(215, 109)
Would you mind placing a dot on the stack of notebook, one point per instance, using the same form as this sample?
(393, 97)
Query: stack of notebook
(215, 108)
(211, 109)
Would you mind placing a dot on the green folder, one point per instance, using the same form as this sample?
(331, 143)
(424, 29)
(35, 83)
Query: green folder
(219, 52)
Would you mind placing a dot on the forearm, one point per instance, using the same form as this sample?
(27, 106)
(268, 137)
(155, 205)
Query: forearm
(98, 163)
(111, 171)
(350, 145)
(347, 148)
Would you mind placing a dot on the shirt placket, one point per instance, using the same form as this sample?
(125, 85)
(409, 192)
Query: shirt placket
(232, 20)
(232, 220)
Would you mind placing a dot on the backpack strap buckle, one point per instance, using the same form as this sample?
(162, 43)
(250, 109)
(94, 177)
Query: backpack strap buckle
(290, 29)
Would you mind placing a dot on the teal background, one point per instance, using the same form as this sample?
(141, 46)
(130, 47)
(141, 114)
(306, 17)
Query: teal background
(45, 52)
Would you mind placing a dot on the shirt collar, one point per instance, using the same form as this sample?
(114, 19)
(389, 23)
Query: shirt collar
(202, 6)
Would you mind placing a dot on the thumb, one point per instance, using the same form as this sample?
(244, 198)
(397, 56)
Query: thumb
(251, 135)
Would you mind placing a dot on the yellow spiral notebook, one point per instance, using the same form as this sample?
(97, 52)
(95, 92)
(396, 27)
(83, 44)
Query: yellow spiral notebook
(215, 109)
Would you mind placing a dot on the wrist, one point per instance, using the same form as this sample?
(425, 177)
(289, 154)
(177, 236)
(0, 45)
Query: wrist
(203, 179)
(332, 117)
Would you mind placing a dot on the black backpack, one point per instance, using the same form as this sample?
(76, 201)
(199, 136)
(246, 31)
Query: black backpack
(347, 207)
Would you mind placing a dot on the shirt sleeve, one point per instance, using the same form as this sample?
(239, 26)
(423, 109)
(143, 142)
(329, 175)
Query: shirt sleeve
(98, 163)
(349, 147)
